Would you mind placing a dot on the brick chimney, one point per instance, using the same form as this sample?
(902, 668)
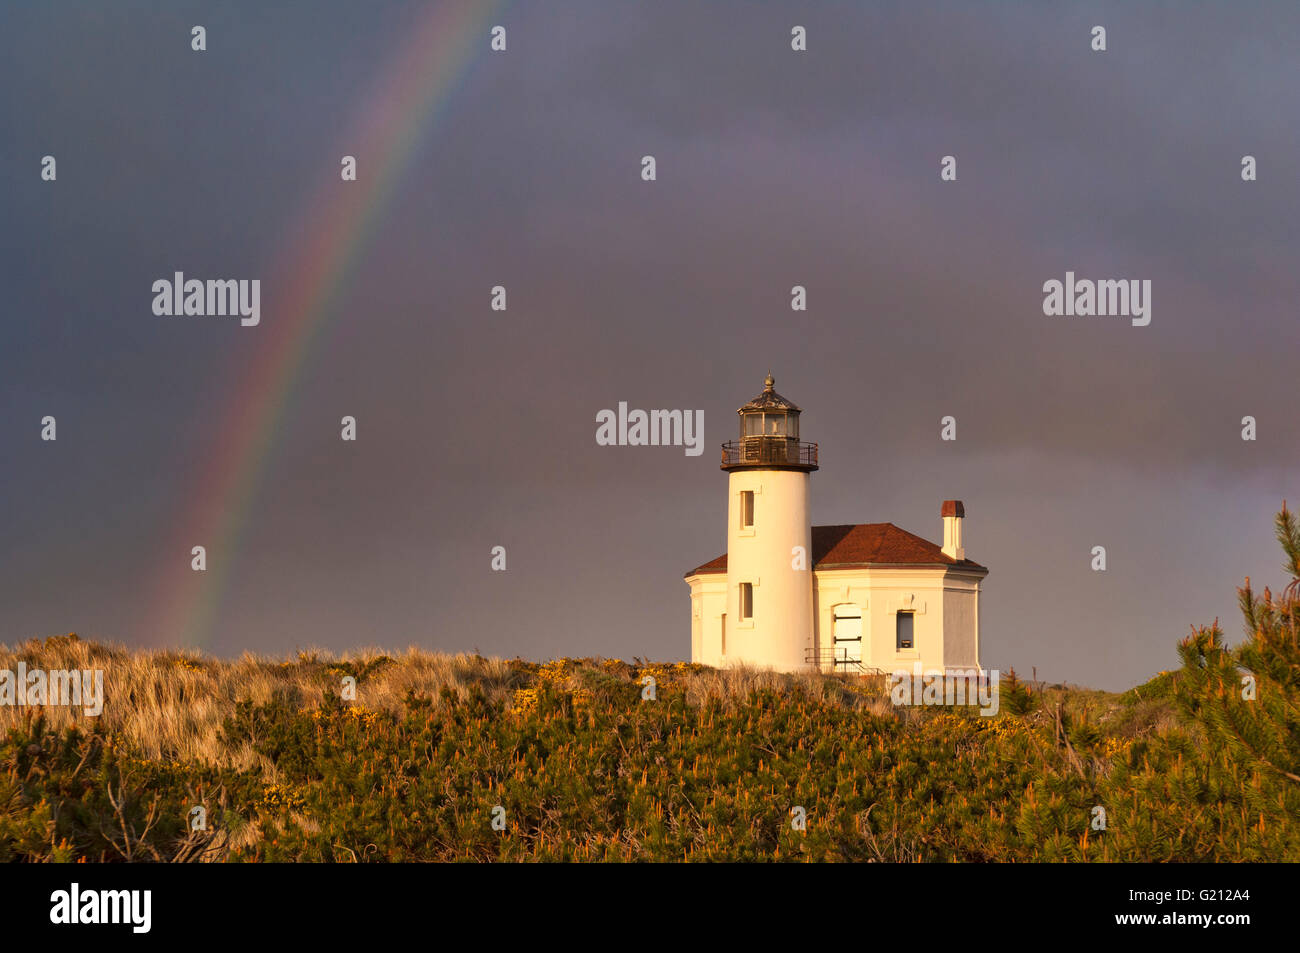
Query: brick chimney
(952, 512)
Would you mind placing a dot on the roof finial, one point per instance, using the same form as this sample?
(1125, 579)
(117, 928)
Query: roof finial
(769, 382)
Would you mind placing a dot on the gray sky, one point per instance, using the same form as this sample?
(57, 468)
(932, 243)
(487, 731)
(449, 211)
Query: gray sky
(477, 428)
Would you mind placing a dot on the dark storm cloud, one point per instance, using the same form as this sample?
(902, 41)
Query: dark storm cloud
(775, 169)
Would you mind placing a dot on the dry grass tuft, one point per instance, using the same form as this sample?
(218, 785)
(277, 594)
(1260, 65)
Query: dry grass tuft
(170, 705)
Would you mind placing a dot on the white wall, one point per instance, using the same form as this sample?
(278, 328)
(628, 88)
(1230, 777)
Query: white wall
(708, 603)
(781, 631)
(794, 611)
(944, 606)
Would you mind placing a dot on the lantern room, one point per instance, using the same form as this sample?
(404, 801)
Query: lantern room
(769, 435)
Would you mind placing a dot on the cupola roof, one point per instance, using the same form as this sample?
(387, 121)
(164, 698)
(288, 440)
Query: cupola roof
(769, 399)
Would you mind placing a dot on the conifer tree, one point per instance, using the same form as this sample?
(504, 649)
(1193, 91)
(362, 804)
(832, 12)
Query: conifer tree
(1248, 699)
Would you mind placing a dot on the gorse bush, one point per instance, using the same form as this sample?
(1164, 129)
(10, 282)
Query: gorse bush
(588, 780)
(573, 764)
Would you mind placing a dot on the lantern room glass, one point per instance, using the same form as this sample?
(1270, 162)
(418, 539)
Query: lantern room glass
(770, 424)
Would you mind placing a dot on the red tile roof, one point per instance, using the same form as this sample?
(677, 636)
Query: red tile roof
(866, 544)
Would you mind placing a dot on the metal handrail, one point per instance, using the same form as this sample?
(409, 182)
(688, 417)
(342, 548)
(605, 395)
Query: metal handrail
(767, 450)
(837, 657)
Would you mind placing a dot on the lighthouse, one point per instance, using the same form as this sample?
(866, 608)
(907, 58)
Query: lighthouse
(769, 536)
(856, 598)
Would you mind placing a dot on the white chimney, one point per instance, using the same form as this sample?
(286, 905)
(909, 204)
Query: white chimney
(952, 513)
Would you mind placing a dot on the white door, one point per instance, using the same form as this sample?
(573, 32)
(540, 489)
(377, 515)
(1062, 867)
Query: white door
(848, 636)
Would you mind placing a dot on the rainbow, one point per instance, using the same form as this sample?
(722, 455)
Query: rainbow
(323, 253)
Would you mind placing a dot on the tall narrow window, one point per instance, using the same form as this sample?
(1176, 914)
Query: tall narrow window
(903, 628)
(746, 600)
(746, 509)
(724, 633)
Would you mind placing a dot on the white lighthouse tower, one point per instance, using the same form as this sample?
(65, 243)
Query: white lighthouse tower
(769, 599)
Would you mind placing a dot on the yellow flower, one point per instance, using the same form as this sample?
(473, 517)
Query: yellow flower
(525, 701)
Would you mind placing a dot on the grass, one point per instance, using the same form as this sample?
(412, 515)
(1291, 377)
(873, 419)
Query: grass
(584, 768)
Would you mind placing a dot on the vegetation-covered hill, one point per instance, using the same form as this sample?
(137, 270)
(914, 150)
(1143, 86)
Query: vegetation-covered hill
(572, 763)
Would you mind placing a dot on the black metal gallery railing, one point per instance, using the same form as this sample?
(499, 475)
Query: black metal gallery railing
(773, 451)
